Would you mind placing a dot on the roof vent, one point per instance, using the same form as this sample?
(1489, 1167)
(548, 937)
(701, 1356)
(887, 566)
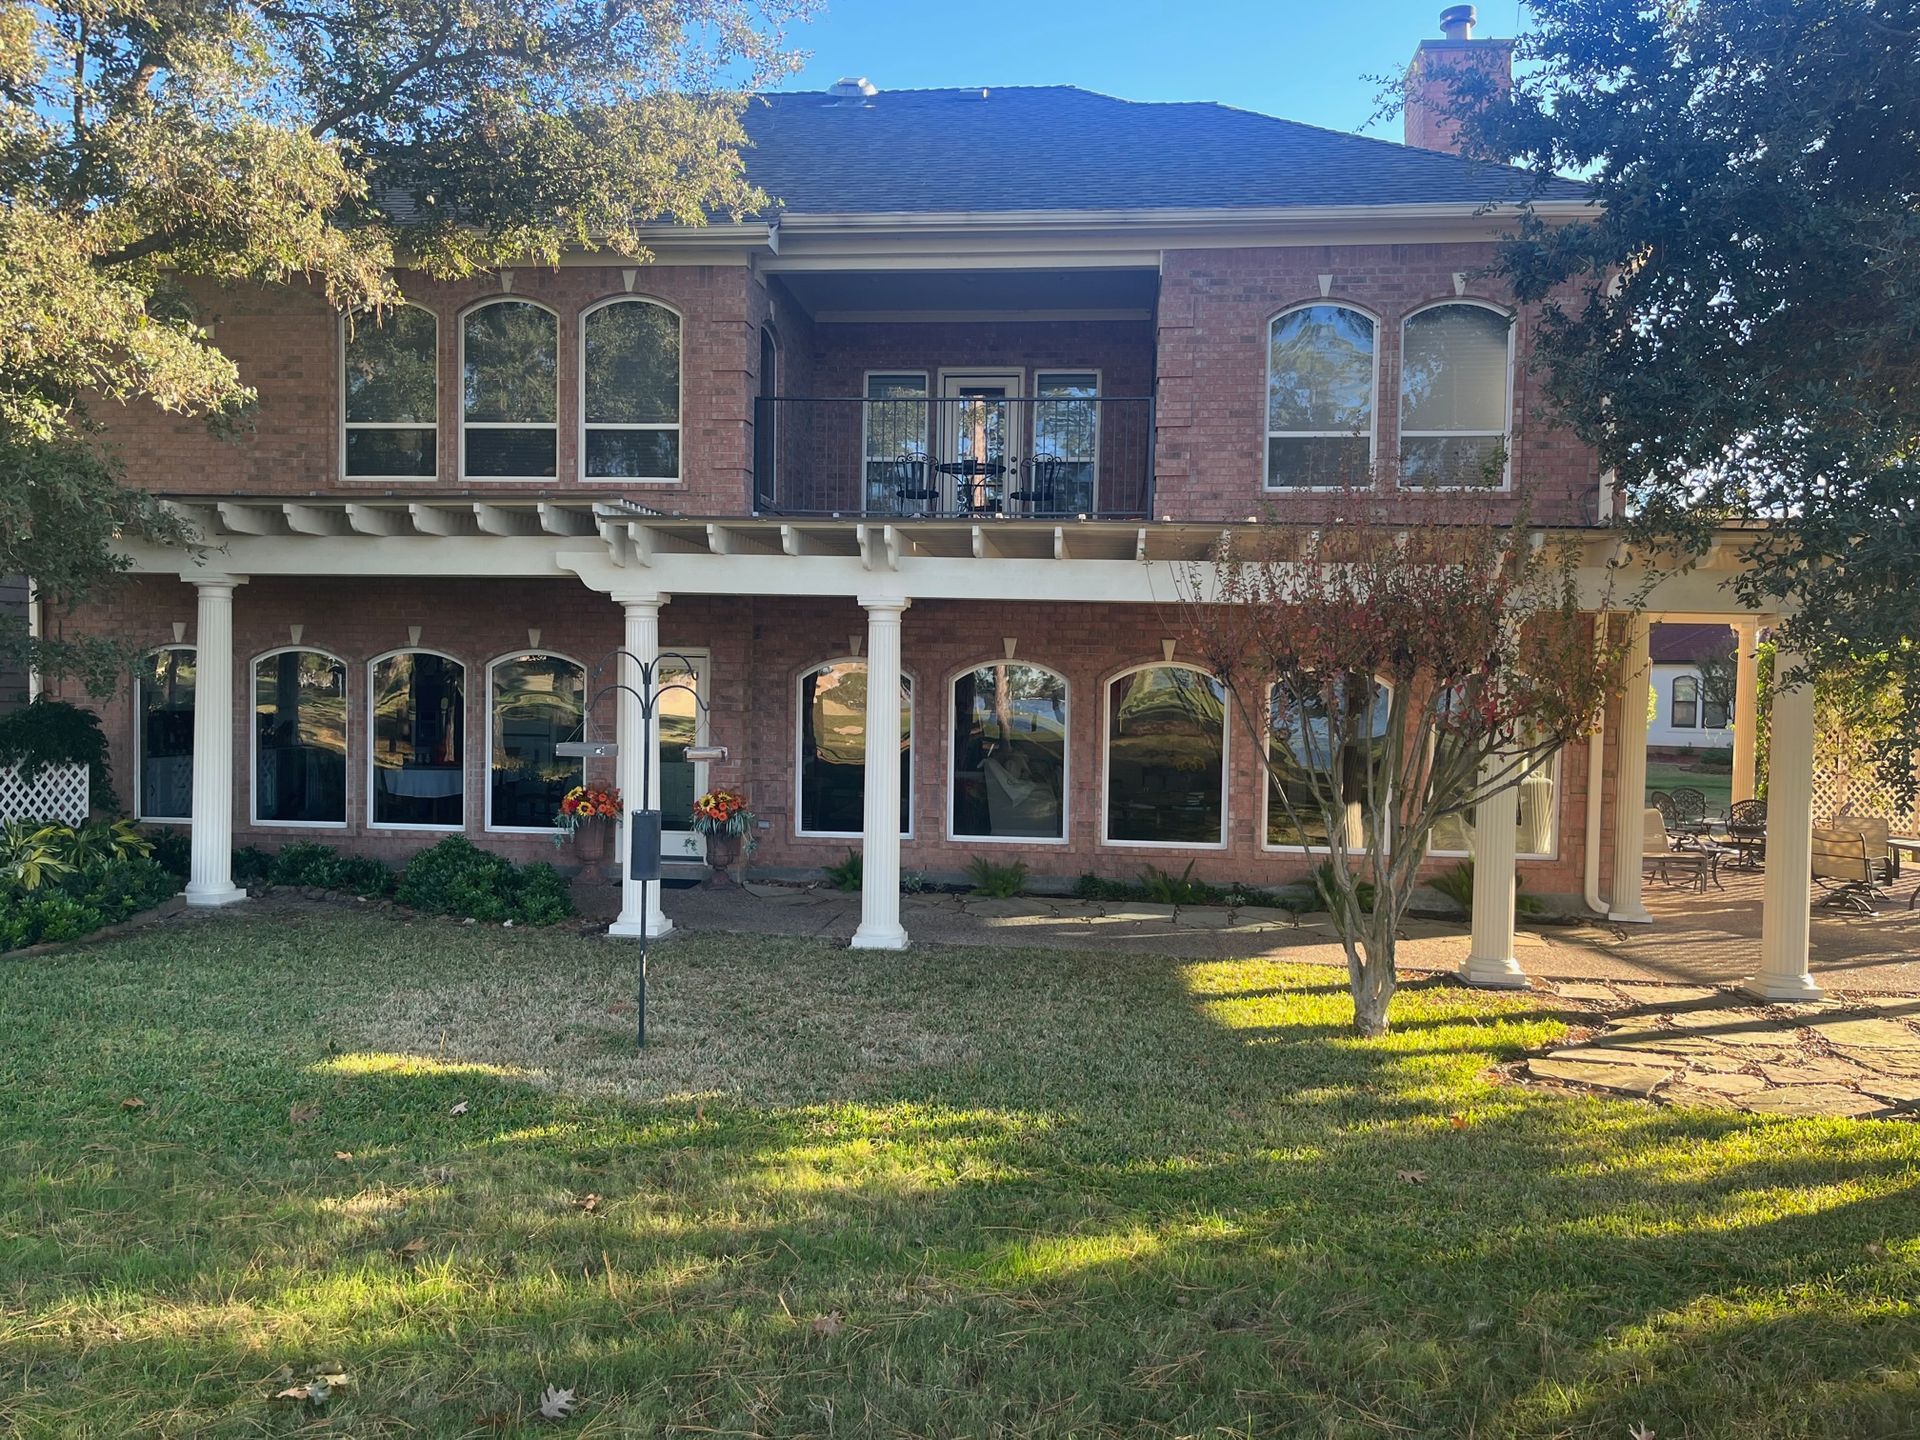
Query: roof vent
(851, 87)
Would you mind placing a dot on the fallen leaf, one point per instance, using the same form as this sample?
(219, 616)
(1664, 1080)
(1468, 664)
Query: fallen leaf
(621, 1007)
(301, 1114)
(133, 1102)
(343, 1154)
(556, 1404)
(699, 1111)
(1459, 1122)
(588, 1203)
(1640, 1432)
(412, 1248)
(830, 1323)
(1411, 1177)
(459, 1109)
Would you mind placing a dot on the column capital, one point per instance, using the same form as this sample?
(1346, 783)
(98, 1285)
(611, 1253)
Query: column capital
(640, 599)
(216, 582)
(884, 604)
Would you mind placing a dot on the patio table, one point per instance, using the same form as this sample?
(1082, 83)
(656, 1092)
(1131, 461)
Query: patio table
(1905, 844)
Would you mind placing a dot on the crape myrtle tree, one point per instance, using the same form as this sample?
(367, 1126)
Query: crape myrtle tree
(154, 153)
(1736, 324)
(1403, 660)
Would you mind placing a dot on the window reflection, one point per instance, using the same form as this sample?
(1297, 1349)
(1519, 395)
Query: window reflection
(1308, 757)
(537, 703)
(419, 733)
(1010, 752)
(1166, 756)
(300, 739)
(833, 749)
(165, 683)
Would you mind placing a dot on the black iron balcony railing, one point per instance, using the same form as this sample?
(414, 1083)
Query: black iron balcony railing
(973, 457)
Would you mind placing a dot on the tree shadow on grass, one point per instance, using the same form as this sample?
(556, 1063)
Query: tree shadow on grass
(1119, 1206)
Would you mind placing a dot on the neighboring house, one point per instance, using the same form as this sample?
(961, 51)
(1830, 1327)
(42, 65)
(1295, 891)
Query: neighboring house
(950, 422)
(1688, 714)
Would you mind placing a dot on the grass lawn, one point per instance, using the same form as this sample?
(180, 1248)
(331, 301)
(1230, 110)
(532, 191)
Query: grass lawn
(1716, 785)
(946, 1193)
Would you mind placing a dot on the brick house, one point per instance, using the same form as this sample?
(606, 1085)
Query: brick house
(944, 422)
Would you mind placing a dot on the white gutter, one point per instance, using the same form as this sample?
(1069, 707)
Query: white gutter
(1596, 759)
(1281, 216)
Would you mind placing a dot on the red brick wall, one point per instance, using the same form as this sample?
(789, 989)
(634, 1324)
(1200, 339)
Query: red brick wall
(1215, 306)
(759, 651)
(286, 342)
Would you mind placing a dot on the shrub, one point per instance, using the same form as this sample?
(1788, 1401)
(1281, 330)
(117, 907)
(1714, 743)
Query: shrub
(250, 864)
(1165, 889)
(998, 882)
(173, 850)
(123, 886)
(1324, 888)
(914, 882)
(1097, 887)
(847, 874)
(456, 877)
(1456, 883)
(306, 863)
(69, 901)
(52, 732)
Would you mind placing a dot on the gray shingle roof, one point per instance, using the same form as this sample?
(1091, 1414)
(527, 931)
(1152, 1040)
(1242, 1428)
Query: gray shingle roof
(1057, 147)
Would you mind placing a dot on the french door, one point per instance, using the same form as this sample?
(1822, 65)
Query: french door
(682, 781)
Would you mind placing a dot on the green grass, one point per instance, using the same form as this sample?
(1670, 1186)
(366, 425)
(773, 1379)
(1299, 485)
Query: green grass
(1717, 786)
(954, 1192)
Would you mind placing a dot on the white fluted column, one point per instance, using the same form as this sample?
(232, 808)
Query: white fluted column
(880, 927)
(210, 873)
(1785, 916)
(1490, 960)
(637, 739)
(1630, 780)
(1746, 708)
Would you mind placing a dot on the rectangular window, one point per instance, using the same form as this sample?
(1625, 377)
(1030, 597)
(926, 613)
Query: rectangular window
(1066, 444)
(899, 479)
(166, 734)
(390, 401)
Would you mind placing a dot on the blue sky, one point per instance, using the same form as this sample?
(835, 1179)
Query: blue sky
(1301, 59)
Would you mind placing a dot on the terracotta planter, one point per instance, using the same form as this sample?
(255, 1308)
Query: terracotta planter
(722, 852)
(592, 840)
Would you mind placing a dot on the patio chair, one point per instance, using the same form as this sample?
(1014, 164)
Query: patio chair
(1877, 832)
(1663, 802)
(1662, 860)
(1689, 806)
(1747, 829)
(1843, 868)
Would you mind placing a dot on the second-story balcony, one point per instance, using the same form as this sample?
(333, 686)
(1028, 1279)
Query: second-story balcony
(979, 452)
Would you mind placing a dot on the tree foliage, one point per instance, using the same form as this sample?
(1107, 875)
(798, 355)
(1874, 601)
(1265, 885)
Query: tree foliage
(1406, 660)
(1737, 324)
(147, 147)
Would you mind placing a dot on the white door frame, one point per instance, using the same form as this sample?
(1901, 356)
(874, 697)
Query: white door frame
(1014, 439)
(690, 844)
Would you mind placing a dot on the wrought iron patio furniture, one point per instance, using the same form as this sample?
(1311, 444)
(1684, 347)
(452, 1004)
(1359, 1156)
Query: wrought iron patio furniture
(1663, 802)
(907, 480)
(1690, 812)
(1747, 831)
(1045, 488)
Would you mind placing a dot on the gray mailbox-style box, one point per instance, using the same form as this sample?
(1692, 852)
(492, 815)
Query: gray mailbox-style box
(643, 859)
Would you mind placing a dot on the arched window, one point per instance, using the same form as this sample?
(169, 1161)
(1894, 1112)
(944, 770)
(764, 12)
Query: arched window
(833, 749)
(164, 711)
(1009, 774)
(1166, 757)
(509, 366)
(417, 724)
(630, 389)
(1685, 712)
(299, 738)
(1320, 381)
(534, 702)
(1308, 757)
(390, 394)
(1456, 363)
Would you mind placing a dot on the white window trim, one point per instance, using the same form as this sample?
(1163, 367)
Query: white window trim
(1266, 791)
(1504, 436)
(694, 843)
(1673, 704)
(487, 801)
(466, 730)
(1037, 400)
(460, 369)
(1551, 853)
(1106, 763)
(926, 425)
(913, 743)
(347, 427)
(679, 396)
(140, 735)
(1066, 758)
(1268, 434)
(253, 739)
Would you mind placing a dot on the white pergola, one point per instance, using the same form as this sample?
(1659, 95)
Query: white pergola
(640, 559)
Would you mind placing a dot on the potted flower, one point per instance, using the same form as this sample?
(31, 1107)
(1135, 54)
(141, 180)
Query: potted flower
(723, 817)
(587, 814)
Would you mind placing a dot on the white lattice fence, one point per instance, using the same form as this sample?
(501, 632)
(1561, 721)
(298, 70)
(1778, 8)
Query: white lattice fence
(1860, 793)
(58, 792)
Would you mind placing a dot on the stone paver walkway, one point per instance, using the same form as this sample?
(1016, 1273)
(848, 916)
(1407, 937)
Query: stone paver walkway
(1689, 1045)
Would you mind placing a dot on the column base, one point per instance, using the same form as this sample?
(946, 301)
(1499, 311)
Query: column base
(213, 899)
(624, 929)
(1484, 974)
(1630, 917)
(1781, 987)
(879, 939)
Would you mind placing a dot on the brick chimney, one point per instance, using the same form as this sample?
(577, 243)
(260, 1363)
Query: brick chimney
(1437, 64)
